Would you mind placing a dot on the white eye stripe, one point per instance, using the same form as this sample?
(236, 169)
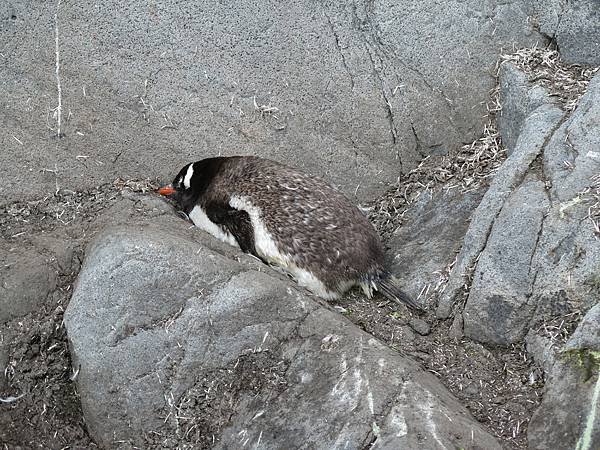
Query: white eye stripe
(188, 176)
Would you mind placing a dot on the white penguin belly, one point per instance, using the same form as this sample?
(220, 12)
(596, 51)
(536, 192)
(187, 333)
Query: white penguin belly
(267, 248)
(201, 220)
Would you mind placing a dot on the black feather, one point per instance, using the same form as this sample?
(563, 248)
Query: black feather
(389, 286)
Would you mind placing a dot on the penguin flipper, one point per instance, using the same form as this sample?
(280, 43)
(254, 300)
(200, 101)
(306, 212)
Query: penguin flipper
(237, 222)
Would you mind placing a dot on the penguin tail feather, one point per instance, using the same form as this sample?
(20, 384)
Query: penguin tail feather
(389, 286)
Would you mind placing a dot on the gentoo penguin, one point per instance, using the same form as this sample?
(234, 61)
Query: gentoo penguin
(289, 219)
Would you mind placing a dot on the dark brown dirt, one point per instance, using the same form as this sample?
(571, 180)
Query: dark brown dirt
(48, 415)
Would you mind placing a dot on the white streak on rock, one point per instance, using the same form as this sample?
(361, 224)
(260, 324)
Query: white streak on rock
(585, 441)
(57, 69)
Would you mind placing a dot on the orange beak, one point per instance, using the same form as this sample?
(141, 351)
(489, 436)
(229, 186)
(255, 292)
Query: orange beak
(166, 190)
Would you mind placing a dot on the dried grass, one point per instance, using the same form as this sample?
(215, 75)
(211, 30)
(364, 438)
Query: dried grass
(467, 169)
(592, 195)
(136, 185)
(65, 207)
(566, 82)
(559, 329)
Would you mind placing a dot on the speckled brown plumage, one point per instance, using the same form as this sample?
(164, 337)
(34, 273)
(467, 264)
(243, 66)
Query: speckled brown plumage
(309, 219)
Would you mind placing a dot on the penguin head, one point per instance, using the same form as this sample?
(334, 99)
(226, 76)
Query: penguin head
(182, 188)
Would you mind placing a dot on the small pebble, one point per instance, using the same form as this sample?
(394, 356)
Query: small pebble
(420, 326)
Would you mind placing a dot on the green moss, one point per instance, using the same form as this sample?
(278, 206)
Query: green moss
(594, 280)
(588, 361)
(395, 315)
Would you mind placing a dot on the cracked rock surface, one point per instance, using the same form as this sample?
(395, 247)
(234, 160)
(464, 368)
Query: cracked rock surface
(497, 309)
(529, 262)
(575, 26)
(176, 343)
(536, 131)
(569, 412)
(531, 244)
(357, 92)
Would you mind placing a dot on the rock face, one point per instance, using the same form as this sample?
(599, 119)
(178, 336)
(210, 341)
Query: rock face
(530, 248)
(569, 415)
(519, 99)
(574, 25)
(424, 247)
(531, 256)
(536, 131)
(356, 92)
(497, 309)
(176, 343)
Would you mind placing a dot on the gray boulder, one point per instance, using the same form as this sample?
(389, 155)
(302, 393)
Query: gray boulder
(178, 344)
(568, 255)
(519, 98)
(498, 309)
(431, 237)
(531, 247)
(531, 256)
(568, 416)
(537, 129)
(355, 92)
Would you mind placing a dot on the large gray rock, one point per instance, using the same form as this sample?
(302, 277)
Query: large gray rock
(531, 248)
(175, 343)
(574, 25)
(568, 255)
(498, 309)
(569, 416)
(519, 98)
(537, 129)
(356, 92)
